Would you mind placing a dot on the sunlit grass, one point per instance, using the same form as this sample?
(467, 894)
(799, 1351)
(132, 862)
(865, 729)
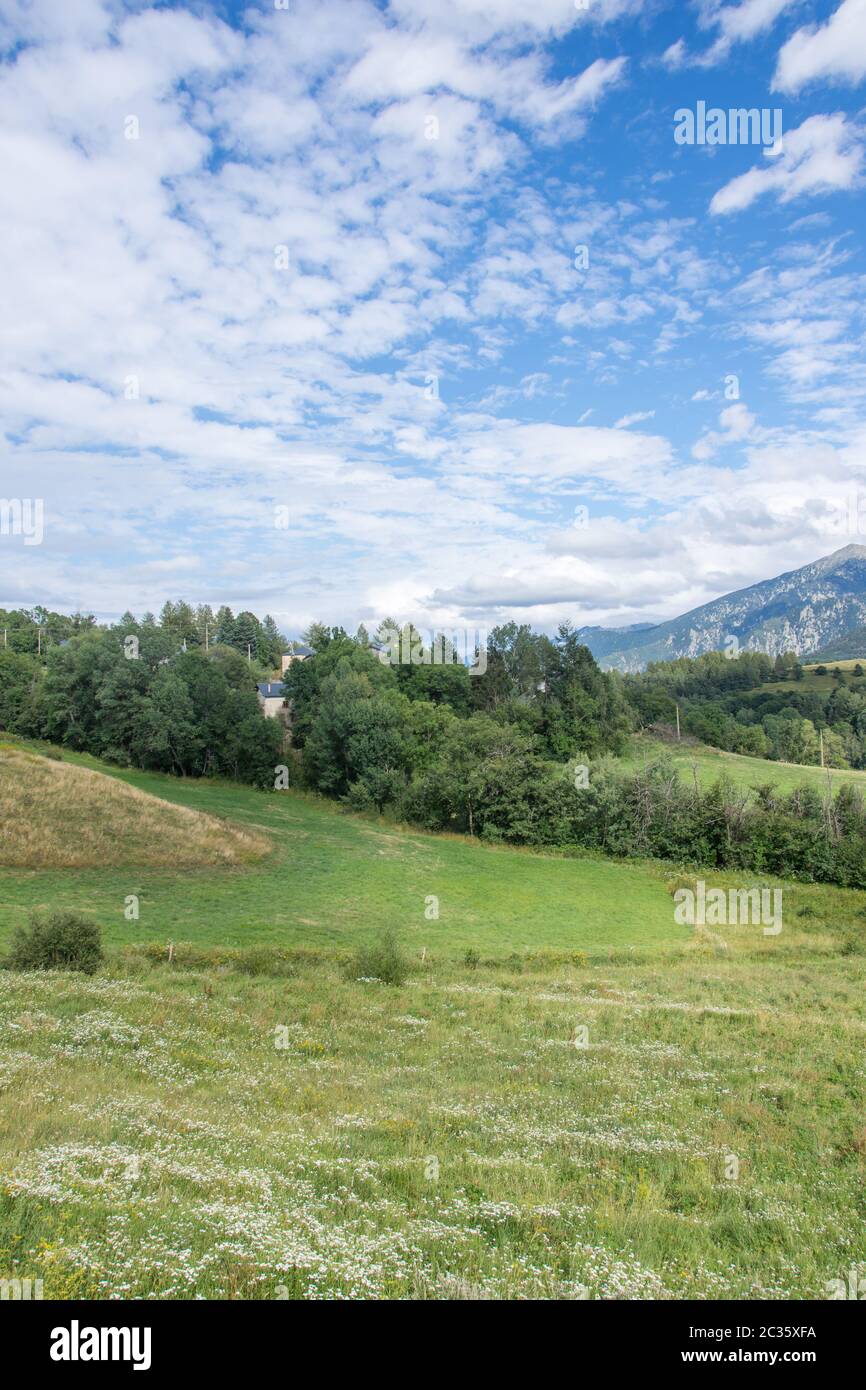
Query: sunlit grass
(331, 878)
(55, 815)
(707, 765)
(446, 1138)
(569, 1097)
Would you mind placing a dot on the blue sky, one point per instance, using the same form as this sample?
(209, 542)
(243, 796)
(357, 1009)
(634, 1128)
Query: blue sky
(435, 285)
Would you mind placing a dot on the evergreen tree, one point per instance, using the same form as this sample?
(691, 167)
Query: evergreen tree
(225, 627)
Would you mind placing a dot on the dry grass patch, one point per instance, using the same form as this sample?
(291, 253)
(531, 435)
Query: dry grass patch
(53, 815)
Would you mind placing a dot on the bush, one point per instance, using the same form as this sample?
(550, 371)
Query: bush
(262, 960)
(58, 941)
(383, 960)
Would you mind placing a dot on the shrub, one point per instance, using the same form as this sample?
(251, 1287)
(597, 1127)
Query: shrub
(58, 941)
(262, 960)
(383, 960)
(471, 958)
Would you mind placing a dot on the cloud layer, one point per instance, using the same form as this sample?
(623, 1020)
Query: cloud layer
(437, 280)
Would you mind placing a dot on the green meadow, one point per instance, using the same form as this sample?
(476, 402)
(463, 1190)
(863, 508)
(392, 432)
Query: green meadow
(332, 878)
(567, 1097)
(825, 683)
(699, 760)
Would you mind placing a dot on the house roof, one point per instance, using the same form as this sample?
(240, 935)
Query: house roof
(271, 690)
(299, 651)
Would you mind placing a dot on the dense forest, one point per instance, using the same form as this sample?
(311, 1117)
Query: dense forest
(173, 695)
(523, 752)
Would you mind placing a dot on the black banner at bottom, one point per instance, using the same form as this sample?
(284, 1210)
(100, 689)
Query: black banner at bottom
(142, 1338)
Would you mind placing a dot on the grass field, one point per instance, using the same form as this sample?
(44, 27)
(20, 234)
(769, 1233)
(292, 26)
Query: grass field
(442, 1139)
(331, 878)
(54, 814)
(823, 683)
(847, 663)
(598, 1104)
(708, 764)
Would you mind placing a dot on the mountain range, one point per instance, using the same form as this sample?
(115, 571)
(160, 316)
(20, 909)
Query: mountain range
(803, 611)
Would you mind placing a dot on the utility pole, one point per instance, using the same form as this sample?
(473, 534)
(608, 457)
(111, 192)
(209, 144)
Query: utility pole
(249, 652)
(678, 723)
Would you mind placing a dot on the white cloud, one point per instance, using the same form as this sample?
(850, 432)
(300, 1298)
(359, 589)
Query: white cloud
(408, 258)
(548, 454)
(835, 51)
(675, 55)
(737, 424)
(823, 154)
(399, 65)
(804, 313)
(634, 419)
(736, 24)
(721, 528)
(739, 23)
(82, 20)
(480, 19)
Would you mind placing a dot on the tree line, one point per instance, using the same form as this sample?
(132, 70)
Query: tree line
(731, 704)
(526, 754)
(523, 752)
(145, 694)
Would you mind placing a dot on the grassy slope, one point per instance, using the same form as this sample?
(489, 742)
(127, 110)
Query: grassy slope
(333, 877)
(54, 815)
(442, 1139)
(711, 763)
(811, 681)
(445, 1138)
(847, 664)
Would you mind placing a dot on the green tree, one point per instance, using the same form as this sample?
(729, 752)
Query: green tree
(19, 677)
(225, 627)
(582, 707)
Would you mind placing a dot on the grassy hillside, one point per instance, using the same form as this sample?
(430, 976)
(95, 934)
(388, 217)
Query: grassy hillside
(604, 1104)
(457, 1137)
(708, 764)
(332, 877)
(57, 816)
(845, 664)
(824, 684)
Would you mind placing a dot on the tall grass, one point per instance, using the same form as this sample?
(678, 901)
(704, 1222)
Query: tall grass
(57, 815)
